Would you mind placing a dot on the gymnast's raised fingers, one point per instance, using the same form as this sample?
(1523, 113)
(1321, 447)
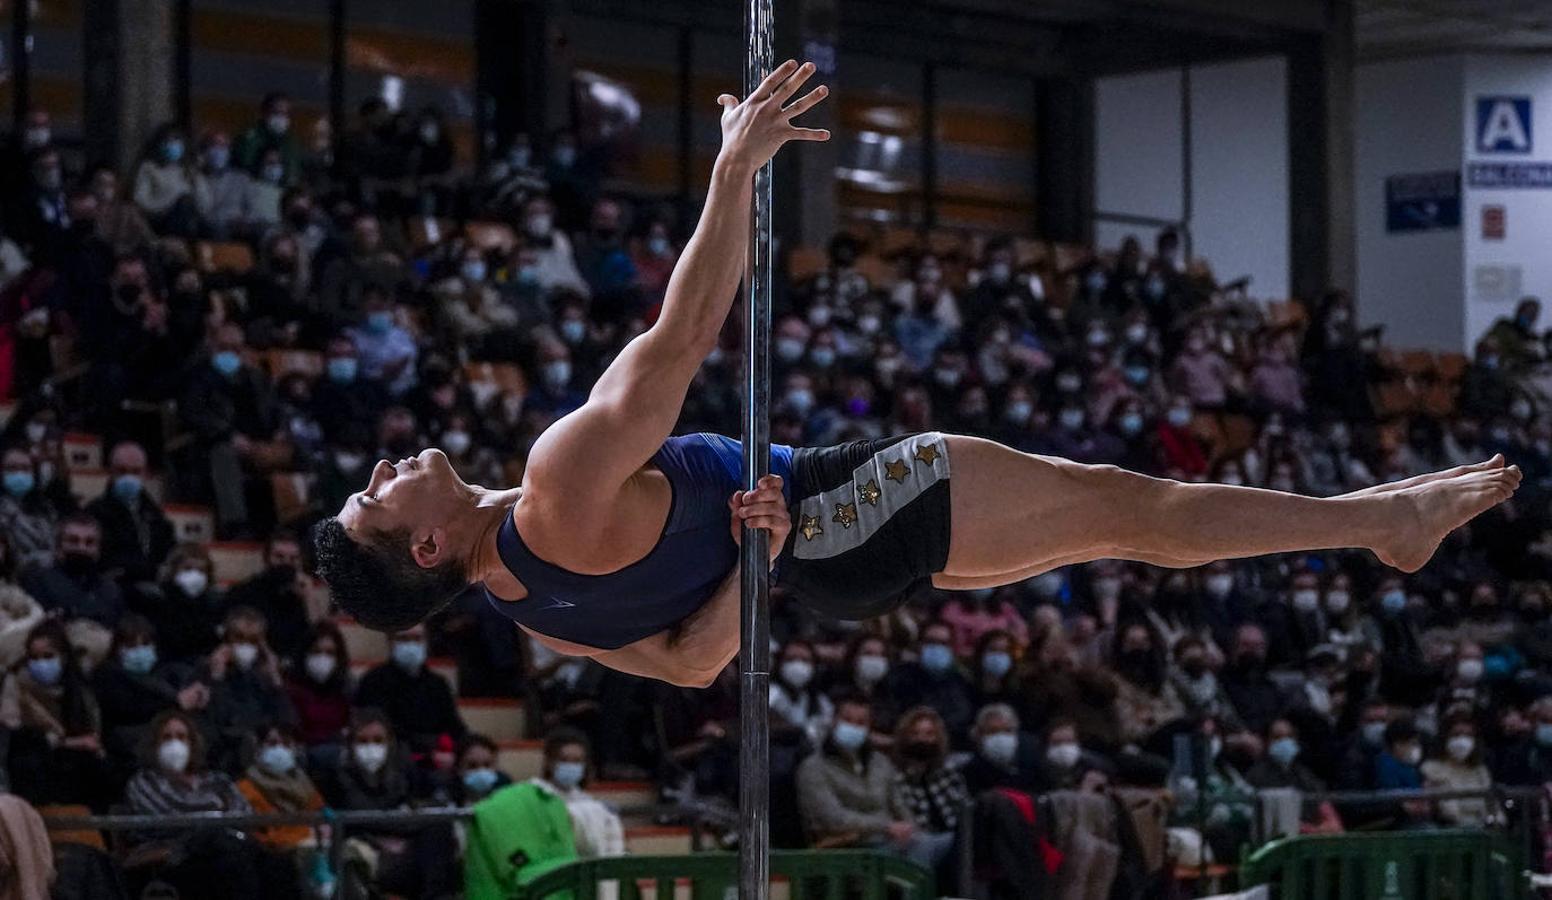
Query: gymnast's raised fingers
(790, 86)
(806, 102)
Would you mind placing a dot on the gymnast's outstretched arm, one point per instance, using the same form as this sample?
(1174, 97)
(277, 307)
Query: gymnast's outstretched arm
(584, 459)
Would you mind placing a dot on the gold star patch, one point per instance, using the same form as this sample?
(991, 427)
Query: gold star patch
(811, 528)
(845, 513)
(928, 453)
(869, 493)
(896, 470)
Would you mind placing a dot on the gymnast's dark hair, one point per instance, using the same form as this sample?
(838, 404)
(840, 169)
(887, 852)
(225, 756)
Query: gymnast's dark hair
(378, 582)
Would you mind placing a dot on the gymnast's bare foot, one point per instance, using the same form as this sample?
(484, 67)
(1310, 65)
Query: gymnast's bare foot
(1497, 462)
(1428, 511)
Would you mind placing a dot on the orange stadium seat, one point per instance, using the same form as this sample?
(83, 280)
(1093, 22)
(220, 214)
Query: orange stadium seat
(1029, 252)
(1452, 366)
(283, 362)
(491, 235)
(897, 239)
(224, 256)
(804, 263)
(193, 524)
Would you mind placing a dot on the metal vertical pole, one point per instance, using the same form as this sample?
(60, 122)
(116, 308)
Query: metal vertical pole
(754, 653)
(337, 69)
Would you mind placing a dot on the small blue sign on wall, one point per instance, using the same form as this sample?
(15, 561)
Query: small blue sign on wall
(1503, 124)
(1427, 201)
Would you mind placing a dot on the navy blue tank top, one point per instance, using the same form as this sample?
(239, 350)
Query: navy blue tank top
(691, 558)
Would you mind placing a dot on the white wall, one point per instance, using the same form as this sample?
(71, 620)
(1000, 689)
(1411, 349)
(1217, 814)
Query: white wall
(1527, 245)
(1239, 157)
(1239, 172)
(1409, 282)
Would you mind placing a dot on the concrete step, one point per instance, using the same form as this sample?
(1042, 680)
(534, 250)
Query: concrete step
(519, 758)
(652, 840)
(499, 720)
(236, 560)
(195, 524)
(362, 643)
(87, 485)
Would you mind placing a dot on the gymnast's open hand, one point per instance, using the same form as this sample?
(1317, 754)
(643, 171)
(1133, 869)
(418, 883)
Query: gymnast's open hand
(764, 507)
(753, 130)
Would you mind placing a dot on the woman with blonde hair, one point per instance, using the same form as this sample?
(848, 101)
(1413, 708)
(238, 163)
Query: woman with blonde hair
(925, 788)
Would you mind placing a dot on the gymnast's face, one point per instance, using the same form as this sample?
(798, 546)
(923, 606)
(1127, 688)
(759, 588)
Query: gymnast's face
(415, 494)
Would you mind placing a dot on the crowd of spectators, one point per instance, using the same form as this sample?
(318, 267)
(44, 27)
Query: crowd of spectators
(160, 307)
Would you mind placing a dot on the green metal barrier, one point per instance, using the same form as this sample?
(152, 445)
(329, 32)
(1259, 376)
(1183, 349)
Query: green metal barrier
(1419, 865)
(808, 875)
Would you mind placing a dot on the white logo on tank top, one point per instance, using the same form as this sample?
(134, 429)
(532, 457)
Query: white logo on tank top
(557, 603)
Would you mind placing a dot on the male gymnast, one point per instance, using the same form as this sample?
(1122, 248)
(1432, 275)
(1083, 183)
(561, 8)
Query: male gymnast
(621, 545)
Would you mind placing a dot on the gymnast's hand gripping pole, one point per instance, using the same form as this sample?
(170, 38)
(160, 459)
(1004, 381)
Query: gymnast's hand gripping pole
(754, 651)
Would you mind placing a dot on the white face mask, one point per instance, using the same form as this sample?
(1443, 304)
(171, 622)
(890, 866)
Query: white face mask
(1469, 670)
(245, 655)
(370, 757)
(320, 666)
(1000, 748)
(1306, 600)
(871, 668)
(173, 755)
(1063, 756)
(192, 582)
(1460, 746)
(1338, 601)
(797, 672)
(1219, 585)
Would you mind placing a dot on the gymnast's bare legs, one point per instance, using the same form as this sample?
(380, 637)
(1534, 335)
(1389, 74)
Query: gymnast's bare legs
(1018, 514)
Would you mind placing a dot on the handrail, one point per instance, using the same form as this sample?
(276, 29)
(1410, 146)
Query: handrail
(713, 873)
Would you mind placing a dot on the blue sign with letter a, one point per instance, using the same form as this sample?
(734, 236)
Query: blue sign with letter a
(1503, 124)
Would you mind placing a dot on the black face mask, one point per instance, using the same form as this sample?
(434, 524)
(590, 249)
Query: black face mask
(128, 293)
(283, 574)
(920, 751)
(1196, 668)
(1249, 662)
(78, 565)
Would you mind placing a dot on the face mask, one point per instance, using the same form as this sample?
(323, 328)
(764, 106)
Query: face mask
(1460, 746)
(1000, 747)
(1063, 756)
(565, 156)
(996, 663)
(557, 374)
(320, 666)
(409, 655)
(1098, 338)
(1180, 417)
(1048, 585)
(540, 224)
(1138, 375)
(456, 442)
(1338, 601)
(1219, 585)
(1411, 755)
(848, 736)
(370, 757)
(1072, 419)
(429, 132)
(1136, 333)
(218, 157)
(1469, 670)
(127, 488)
(936, 658)
(342, 369)
(1393, 602)
(36, 431)
(567, 775)
(573, 331)
(1283, 750)
(1069, 383)
(47, 670)
(1019, 411)
(871, 668)
(999, 272)
(37, 137)
(1154, 287)
(1307, 600)
(1131, 424)
(920, 751)
(473, 270)
(1107, 588)
(79, 565)
(192, 582)
(19, 484)
(173, 755)
(519, 156)
(658, 245)
(797, 672)
(347, 461)
(823, 357)
(479, 781)
(51, 179)
(1095, 281)
(869, 324)
(278, 123)
(379, 321)
(273, 173)
(245, 655)
(801, 400)
(1373, 733)
(226, 362)
(172, 151)
(1544, 734)
(138, 660)
(277, 759)
(819, 315)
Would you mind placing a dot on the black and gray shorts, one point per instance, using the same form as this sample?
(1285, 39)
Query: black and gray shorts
(871, 526)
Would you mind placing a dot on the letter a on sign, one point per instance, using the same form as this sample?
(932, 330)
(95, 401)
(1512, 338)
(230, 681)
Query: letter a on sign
(1503, 125)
